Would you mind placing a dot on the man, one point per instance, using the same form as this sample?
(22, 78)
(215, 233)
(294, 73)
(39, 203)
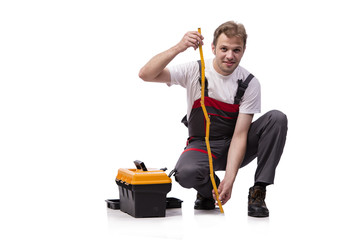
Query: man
(232, 97)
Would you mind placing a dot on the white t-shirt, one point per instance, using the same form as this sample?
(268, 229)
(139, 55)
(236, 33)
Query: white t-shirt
(221, 88)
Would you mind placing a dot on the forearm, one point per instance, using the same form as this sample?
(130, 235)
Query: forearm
(237, 148)
(235, 156)
(152, 69)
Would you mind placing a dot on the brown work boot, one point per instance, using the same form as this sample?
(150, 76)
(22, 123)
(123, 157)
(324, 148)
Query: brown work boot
(256, 204)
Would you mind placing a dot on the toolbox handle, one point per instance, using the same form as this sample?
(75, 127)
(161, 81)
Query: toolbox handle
(140, 165)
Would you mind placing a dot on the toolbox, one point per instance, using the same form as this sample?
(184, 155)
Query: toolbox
(143, 191)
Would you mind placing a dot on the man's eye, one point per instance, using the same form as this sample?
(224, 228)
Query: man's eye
(237, 50)
(223, 49)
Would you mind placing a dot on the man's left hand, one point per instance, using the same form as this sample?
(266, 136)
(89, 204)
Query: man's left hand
(224, 190)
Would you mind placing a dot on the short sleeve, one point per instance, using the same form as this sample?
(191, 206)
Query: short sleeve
(251, 101)
(183, 74)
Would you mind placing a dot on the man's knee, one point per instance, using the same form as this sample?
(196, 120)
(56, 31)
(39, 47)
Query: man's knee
(278, 118)
(186, 177)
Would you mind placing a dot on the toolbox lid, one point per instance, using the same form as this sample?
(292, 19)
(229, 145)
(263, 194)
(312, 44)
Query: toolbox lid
(137, 177)
(142, 175)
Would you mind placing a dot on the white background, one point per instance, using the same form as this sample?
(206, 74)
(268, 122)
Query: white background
(73, 111)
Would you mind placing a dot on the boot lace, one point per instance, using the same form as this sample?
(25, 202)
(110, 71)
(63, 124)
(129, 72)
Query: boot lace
(259, 196)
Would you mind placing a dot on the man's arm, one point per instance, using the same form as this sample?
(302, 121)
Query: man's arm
(155, 70)
(235, 156)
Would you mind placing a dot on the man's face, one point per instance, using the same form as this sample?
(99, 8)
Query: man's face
(228, 53)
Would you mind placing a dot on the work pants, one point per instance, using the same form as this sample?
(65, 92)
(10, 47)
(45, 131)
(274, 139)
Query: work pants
(266, 141)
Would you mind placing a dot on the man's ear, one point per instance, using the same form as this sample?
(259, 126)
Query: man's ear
(213, 48)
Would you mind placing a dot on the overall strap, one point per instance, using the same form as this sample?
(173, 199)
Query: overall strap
(241, 88)
(206, 82)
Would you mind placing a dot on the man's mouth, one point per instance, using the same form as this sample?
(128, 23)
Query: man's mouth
(229, 64)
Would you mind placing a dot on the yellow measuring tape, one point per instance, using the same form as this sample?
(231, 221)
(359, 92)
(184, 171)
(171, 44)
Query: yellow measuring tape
(202, 102)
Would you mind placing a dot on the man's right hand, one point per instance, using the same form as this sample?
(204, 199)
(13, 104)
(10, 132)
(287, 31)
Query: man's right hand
(190, 39)
(155, 70)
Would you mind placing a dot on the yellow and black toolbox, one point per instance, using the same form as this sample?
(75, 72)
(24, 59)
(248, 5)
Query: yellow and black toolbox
(143, 191)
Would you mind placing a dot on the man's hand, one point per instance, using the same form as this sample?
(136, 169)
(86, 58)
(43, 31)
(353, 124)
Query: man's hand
(224, 190)
(190, 39)
(155, 70)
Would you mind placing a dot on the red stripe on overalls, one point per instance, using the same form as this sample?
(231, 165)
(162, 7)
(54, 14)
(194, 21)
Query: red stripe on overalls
(199, 150)
(210, 102)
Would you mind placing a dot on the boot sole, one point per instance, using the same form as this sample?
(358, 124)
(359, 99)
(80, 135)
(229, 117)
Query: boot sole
(259, 215)
(203, 208)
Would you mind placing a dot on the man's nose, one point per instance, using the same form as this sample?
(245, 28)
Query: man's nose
(229, 54)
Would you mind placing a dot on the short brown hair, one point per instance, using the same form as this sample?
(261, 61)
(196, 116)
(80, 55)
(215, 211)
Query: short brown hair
(231, 29)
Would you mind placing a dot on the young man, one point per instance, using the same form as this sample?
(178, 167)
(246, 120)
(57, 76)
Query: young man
(232, 97)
